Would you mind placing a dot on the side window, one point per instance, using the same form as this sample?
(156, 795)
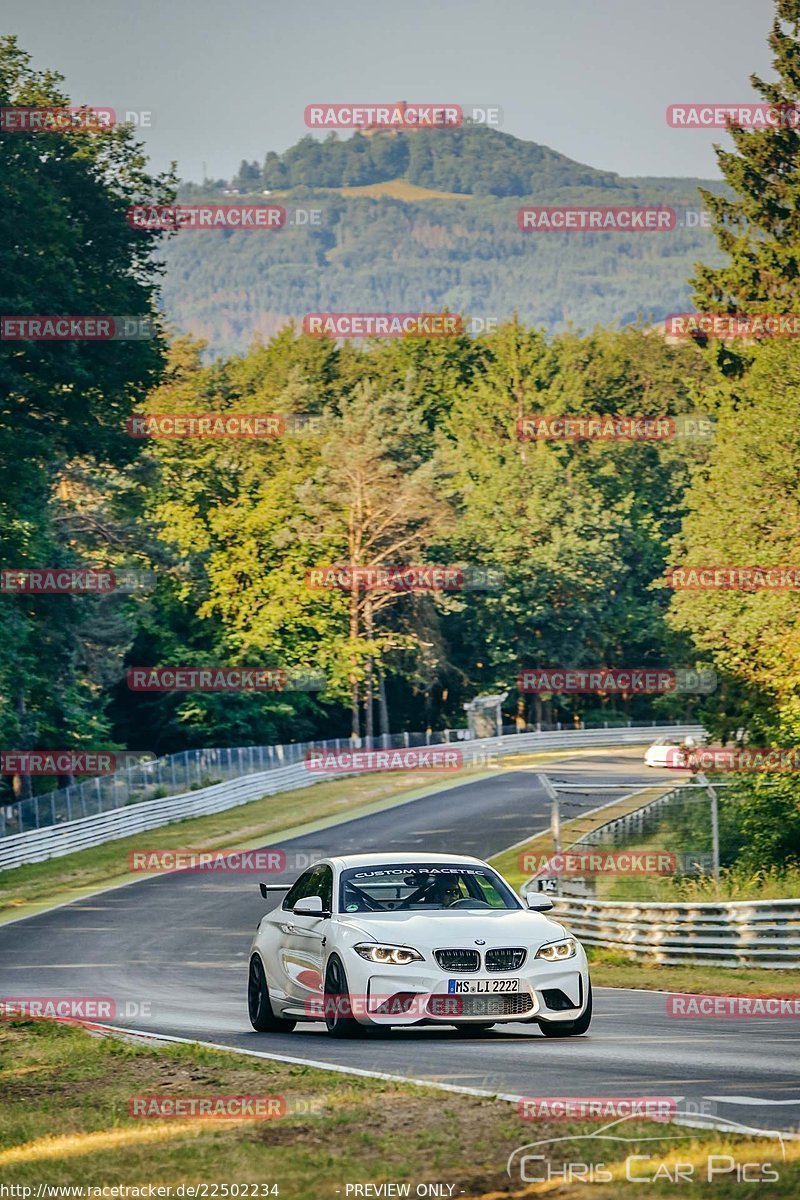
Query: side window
(316, 882)
(301, 887)
(324, 887)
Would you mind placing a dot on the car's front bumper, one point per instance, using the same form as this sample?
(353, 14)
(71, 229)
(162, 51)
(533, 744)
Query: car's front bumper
(421, 993)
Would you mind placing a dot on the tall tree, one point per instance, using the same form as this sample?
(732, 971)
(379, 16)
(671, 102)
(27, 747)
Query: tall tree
(759, 226)
(65, 249)
(376, 492)
(744, 509)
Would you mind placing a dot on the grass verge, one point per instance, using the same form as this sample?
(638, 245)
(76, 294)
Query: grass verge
(65, 1122)
(735, 883)
(611, 969)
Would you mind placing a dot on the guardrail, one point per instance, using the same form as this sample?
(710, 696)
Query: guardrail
(151, 778)
(154, 778)
(54, 841)
(739, 933)
(639, 820)
(736, 933)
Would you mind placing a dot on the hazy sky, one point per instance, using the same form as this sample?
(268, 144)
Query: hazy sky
(229, 79)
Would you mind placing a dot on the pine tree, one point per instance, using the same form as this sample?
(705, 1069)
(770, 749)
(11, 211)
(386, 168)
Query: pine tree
(759, 227)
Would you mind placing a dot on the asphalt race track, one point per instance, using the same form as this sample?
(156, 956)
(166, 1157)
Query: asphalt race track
(177, 946)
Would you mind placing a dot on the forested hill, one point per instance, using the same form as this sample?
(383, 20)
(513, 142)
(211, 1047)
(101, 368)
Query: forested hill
(471, 159)
(435, 226)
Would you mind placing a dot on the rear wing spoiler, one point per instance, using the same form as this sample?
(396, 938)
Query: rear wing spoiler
(274, 887)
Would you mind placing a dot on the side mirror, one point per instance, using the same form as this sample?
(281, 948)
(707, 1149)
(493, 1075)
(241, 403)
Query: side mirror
(538, 903)
(310, 906)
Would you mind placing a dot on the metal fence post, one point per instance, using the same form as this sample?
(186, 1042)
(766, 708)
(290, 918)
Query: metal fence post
(555, 811)
(712, 795)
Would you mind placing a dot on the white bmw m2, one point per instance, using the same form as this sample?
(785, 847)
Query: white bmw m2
(398, 939)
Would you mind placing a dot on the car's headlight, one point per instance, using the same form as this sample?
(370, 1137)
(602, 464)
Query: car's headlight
(556, 951)
(398, 956)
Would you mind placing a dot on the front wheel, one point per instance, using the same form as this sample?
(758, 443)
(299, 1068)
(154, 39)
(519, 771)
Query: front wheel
(569, 1028)
(262, 1018)
(339, 1021)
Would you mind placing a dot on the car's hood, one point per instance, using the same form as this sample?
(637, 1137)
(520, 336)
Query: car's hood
(429, 931)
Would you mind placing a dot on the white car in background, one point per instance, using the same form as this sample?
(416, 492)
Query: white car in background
(373, 940)
(662, 751)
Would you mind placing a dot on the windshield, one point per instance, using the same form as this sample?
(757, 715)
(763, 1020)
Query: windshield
(423, 887)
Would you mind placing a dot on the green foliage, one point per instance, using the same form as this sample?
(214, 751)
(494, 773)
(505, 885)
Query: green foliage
(744, 508)
(470, 159)
(65, 248)
(416, 460)
(467, 256)
(744, 503)
(758, 227)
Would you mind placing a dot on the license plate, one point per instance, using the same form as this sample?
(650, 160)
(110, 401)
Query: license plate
(489, 987)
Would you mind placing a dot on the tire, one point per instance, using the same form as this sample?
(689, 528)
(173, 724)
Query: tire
(262, 1018)
(474, 1030)
(337, 1003)
(574, 1028)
